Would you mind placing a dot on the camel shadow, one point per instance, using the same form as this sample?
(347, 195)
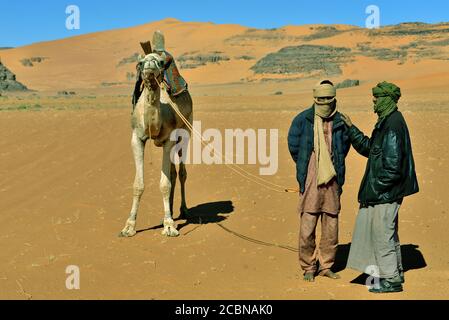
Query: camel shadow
(212, 212)
(412, 259)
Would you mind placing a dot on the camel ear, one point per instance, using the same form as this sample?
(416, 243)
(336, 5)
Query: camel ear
(146, 46)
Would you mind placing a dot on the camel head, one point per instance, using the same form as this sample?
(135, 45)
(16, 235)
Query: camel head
(152, 66)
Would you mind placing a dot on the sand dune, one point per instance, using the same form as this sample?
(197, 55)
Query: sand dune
(90, 61)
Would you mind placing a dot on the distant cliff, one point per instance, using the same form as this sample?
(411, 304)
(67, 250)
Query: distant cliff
(8, 80)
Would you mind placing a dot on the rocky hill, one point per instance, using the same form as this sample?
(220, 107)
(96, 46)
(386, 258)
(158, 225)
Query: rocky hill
(8, 80)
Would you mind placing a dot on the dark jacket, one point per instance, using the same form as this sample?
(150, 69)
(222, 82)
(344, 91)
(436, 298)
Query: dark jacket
(390, 173)
(300, 144)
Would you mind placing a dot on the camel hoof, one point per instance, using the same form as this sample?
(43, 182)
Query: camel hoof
(170, 228)
(170, 232)
(127, 234)
(129, 230)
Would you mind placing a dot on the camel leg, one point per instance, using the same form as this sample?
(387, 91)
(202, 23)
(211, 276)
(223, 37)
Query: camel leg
(173, 177)
(166, 188)
(138, 147)
(182, 179)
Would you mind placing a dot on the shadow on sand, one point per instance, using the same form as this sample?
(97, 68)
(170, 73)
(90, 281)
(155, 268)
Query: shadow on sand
(206, 213)
(212, 212)
(412, 259)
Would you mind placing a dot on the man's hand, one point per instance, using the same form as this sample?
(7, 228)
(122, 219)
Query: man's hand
(346, 119)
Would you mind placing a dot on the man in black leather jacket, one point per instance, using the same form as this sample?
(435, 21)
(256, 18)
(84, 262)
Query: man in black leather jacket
(389, 177)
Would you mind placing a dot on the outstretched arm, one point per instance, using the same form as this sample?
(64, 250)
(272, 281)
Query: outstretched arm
(359, 141)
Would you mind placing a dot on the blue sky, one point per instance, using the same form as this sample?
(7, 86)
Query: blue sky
(25, 22)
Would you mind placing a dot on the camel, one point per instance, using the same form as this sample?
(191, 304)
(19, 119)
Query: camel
(153, 118)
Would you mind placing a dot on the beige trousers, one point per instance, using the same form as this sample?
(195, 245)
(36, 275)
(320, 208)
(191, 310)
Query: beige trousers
(308, 255)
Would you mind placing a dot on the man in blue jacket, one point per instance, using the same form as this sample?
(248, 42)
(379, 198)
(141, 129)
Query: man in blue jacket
(319, 143)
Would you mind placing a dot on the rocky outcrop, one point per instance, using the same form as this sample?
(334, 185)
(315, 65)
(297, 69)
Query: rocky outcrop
(348, 83)
(8, 80)
(306, 59)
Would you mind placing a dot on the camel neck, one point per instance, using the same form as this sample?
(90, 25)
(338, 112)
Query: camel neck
(152, 97)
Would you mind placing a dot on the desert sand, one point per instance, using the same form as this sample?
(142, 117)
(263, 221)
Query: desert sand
(67, 172)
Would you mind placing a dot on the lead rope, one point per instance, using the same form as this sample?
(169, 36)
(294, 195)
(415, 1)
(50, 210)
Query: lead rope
(242, 172)
(260, 242)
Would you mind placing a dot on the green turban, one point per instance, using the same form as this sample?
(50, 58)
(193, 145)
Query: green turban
(388, 95)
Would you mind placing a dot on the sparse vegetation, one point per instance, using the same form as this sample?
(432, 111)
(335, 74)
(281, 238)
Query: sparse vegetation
(27, 103)
(410, 29)
(289, 79)
(269, 35)
(130, 76)
(411, 45)
(424, 43)
(111, 84)
(22, 107)
(429, 53)
(29, 62)
(192, 61)
(442, 43)
(385, 54)
(26, 62)
(66, 93)
(131, 59)
(244, 57)
(322, 32)
(426, 49)
(37, 59)
(417, 32)
(347, 84)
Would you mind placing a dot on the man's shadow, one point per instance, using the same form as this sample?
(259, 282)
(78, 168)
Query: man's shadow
(412, 259)
(212, 212)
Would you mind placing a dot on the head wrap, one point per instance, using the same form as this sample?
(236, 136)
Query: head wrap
(323, 110)
(324, 89)
(388, 95)
(326, 108)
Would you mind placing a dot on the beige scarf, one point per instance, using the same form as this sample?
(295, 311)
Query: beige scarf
(325, 168)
